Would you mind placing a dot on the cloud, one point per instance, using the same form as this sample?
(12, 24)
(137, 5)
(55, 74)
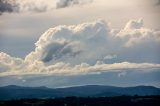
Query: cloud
(134, 33)
(109, 57)
(26, 5)
(64, 42)
(8, 63)
(65, 69)
(68, 3)
(134, 24)
(158, 2)
(7, 6)
(81, 49)
(37, 5)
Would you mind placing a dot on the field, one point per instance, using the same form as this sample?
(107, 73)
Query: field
(87, 101)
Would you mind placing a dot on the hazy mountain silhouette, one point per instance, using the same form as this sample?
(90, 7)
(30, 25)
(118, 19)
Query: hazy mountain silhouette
(18, 92)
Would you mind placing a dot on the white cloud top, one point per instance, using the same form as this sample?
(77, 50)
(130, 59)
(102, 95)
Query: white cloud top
(134, 33)
(81, 49)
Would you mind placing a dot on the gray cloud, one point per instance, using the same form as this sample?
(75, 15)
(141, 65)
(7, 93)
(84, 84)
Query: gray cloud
(37, 5)
(67, 3)
(8, 6)
(25, 5)
(158, 2)
(155, 2)
(58, 49)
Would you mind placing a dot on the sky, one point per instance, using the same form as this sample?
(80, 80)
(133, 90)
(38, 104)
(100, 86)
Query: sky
(60, 43)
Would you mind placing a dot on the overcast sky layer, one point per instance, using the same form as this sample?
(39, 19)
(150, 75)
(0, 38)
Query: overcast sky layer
(58, 43)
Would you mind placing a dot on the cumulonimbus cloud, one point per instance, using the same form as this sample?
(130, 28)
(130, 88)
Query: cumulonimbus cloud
(81, 49)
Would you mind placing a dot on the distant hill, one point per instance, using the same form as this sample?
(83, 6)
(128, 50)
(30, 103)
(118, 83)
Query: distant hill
(18, 92)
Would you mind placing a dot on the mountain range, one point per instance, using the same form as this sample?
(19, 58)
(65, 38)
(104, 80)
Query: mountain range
(19, 92)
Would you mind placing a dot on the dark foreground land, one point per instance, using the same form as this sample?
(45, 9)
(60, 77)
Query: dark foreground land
(87, 101)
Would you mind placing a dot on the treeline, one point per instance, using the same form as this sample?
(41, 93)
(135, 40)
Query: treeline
(89, 101)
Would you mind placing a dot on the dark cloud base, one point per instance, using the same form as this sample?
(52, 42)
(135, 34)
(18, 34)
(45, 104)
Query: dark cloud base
(6, 6)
